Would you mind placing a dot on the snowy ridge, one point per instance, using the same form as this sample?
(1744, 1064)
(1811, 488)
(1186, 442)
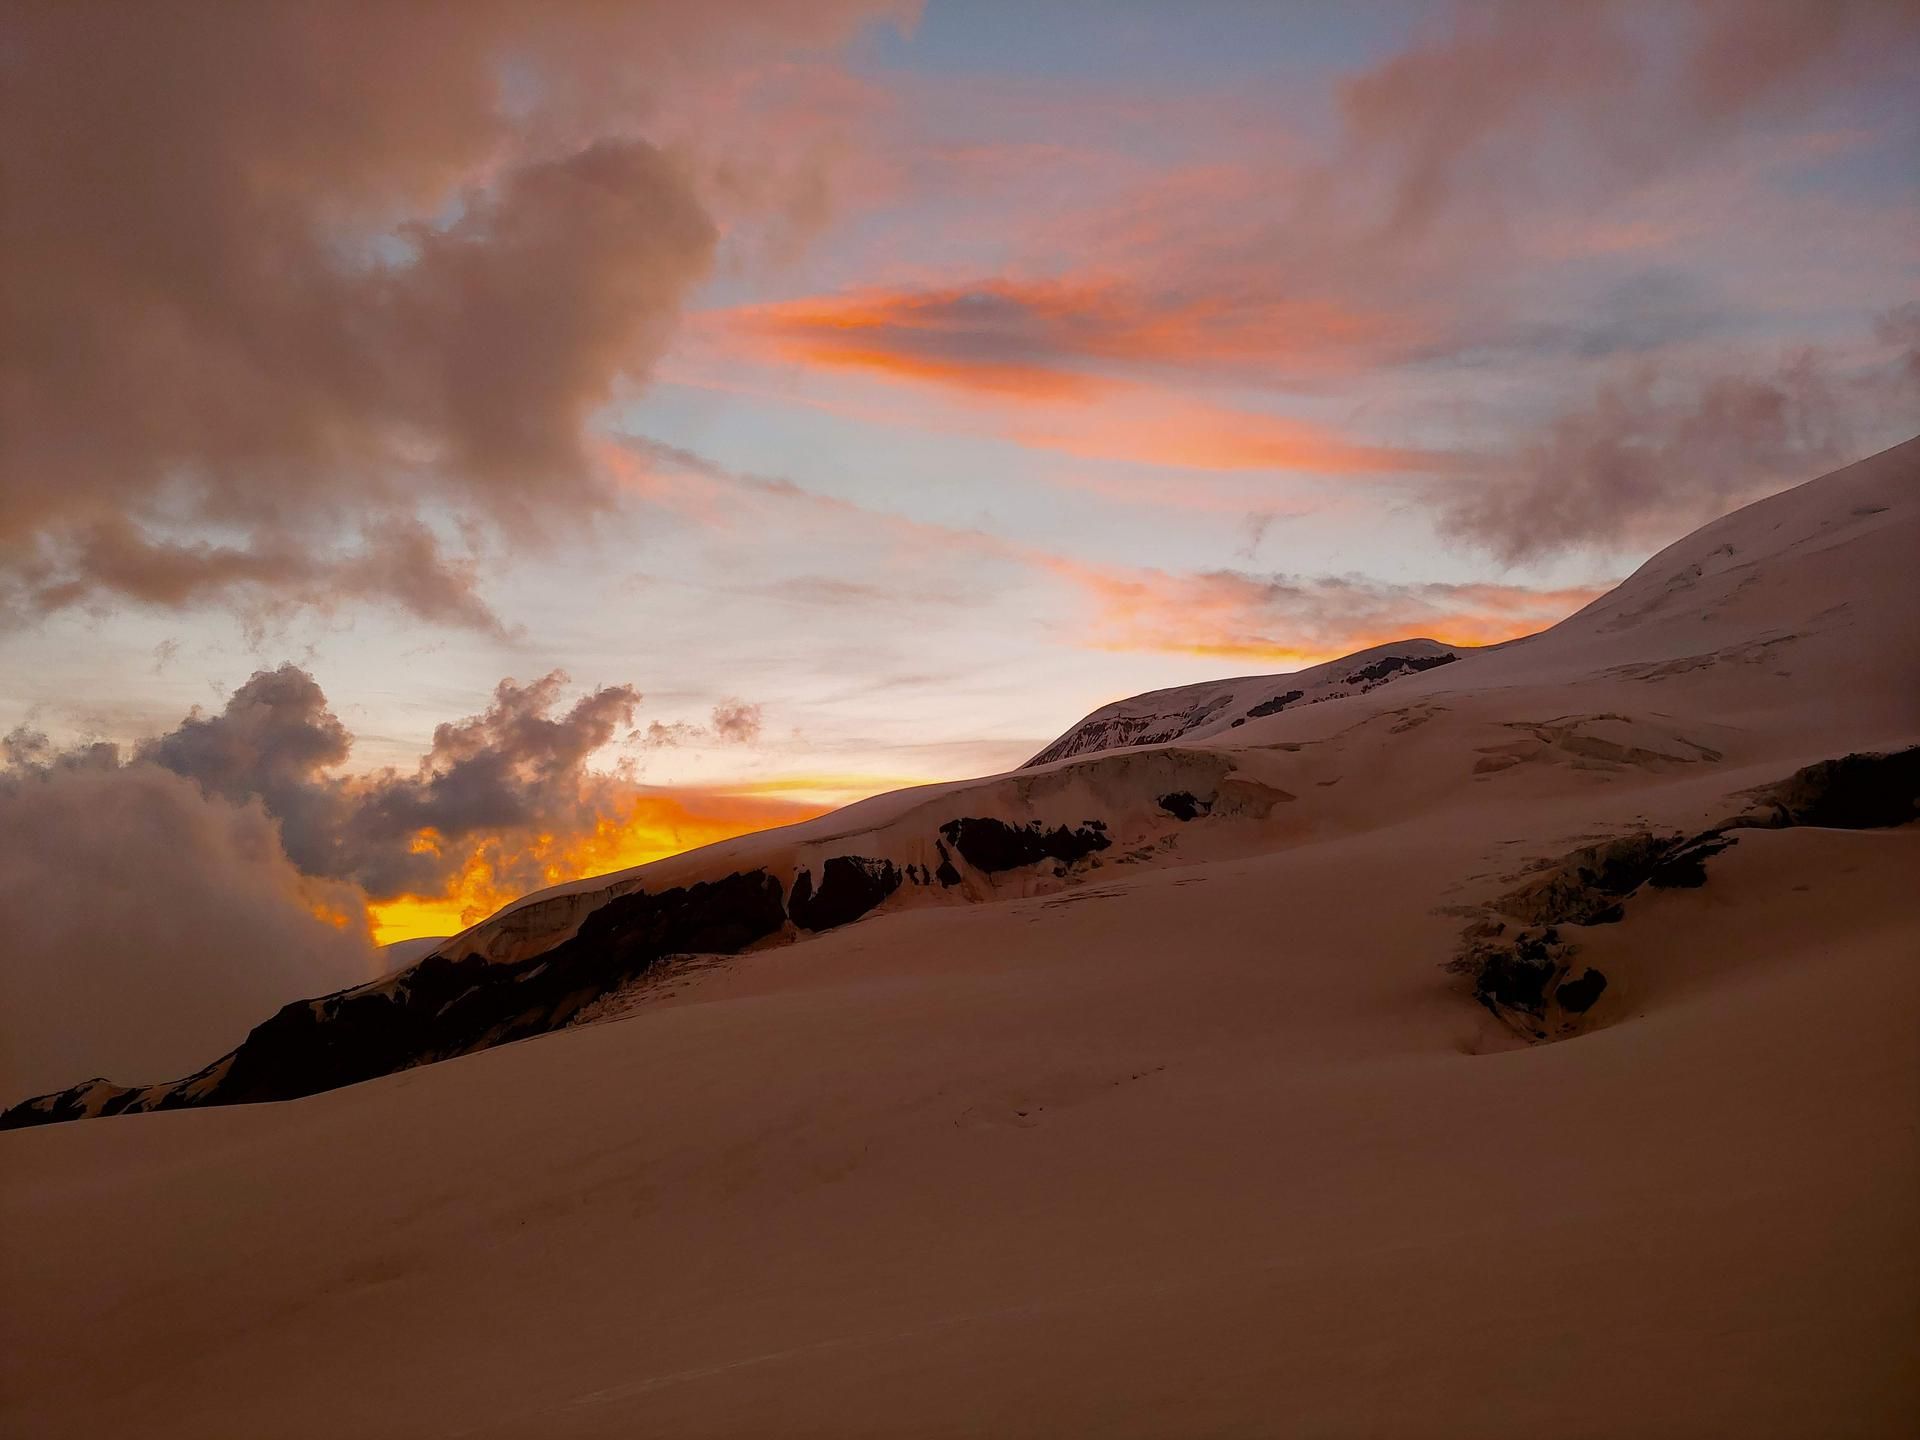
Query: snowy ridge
(1212, 707)
(1720, 656)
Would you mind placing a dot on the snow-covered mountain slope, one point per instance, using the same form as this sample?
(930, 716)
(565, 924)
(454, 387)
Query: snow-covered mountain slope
(1251, 1038)
(1198, 712)
(1723, 653)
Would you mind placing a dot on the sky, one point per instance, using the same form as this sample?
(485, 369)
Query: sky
(478, 445)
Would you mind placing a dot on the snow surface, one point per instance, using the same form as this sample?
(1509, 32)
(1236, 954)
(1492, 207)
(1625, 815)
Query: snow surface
(1193, 1136)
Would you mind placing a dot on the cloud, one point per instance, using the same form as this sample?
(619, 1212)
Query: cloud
(1297, 618)
(282, 281)
(736, 722)
(149, 925)
(514, 783)
(160, 903)
(1469, 118)
(1900, 328)
(1065, 338)
(1217, 612)
(1057, 398)
(515, 772)
(1655, 454)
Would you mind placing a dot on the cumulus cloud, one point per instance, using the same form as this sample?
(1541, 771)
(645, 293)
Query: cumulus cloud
(157, 903)
(513, 770)
(148, 924)
(736, 722)
(280, 279)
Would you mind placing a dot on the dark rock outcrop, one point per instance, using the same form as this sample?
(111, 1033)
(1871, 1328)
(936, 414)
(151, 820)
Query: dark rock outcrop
(1684, 867)
(1522, 974)
(1586, 886)
(1577, 996)
(947, 875)
(444, 1006)
(996, 845)
(1854, 792)
(1276, 704)
(1184, 805)
(850, 886)
(1394, 664)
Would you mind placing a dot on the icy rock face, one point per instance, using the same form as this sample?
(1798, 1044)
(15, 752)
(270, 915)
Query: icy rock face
(990, 845)
(850, 886)
(1194, 712)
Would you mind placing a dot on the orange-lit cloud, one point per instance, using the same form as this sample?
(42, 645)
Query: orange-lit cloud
(828, 790)
(1152, 428)
(1299, 620)
(1098, 368)
(1055, 338)
(1214, 612)
(648, 826)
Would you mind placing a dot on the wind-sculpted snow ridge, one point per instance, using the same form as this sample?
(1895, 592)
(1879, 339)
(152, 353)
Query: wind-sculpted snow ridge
(1195, 712)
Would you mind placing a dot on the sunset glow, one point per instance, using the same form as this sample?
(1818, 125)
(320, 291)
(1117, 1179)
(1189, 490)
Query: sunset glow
(490, 447)
(651, 827)
(925, 718)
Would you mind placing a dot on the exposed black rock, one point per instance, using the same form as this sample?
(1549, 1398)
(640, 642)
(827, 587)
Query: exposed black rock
(1276, 704)
(443, 1006)
(993, 845)
(1184, 805)
(850, 886)
(1517, 976)
(1854, 792)
(1577, 996)
(1514, 976)
(1588, 882)
(946, 874)
(1685, 866)
(1393, 664)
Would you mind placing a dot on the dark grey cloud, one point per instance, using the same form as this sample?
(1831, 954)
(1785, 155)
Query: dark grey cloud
(149, 924)
(513, 769)
(158, 902)
(279, 281)
(516, 768)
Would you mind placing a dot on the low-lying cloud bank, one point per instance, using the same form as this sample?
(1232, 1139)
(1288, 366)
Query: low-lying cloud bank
(150, 926)
(159, 903)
